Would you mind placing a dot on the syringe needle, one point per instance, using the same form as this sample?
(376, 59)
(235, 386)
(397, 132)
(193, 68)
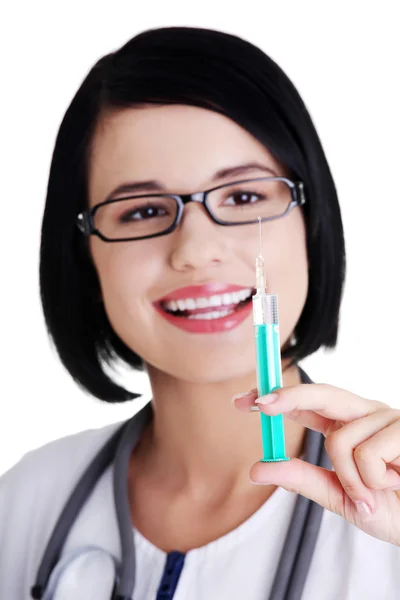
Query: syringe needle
(260, 277)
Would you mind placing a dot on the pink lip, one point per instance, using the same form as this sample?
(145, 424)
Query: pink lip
(203, 325)
(207, 326)
(201, 291)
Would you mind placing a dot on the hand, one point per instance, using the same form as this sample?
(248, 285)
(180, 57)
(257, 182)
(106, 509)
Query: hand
(363, 444)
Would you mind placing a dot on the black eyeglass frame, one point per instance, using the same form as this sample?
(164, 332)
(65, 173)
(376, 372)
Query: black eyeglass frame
(85, 222)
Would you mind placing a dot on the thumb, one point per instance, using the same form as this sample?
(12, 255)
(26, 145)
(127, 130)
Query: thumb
(316, 483)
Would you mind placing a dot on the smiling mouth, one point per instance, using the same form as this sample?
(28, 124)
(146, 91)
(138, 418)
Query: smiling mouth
(206, 308)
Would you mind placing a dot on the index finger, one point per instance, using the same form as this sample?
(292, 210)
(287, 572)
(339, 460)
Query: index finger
(323, 399)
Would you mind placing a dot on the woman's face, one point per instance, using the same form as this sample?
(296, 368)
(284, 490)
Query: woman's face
(182, 147)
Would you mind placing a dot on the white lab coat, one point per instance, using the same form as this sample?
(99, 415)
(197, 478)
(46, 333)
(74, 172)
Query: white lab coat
(347, 564)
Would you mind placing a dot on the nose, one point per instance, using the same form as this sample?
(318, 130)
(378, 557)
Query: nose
(199, 243)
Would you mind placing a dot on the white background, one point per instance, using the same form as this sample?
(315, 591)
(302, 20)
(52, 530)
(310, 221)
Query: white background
(344, 59)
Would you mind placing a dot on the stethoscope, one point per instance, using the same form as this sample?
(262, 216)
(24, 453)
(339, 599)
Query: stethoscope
(296, 555)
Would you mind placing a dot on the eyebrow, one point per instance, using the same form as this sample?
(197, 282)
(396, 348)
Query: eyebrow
(155, 185)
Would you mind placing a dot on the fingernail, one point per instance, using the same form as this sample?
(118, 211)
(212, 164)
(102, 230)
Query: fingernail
(244, 395)
(268, 399)
(363, 509)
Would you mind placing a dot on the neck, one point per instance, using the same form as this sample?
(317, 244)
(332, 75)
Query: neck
(198, 441)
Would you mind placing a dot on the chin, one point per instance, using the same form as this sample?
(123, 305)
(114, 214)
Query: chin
(206, 369)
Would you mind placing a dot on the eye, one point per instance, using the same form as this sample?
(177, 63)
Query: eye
(142, 212)
(243, 197)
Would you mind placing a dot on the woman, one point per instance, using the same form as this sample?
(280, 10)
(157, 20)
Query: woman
(133, 268)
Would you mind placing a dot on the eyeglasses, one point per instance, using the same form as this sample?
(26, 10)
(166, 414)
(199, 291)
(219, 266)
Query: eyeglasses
(147, 216)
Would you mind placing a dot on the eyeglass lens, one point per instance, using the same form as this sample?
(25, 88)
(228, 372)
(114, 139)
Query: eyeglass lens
(245, 202)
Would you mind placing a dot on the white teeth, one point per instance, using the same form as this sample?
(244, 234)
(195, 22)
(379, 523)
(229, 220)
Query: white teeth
(211, 315)
(215, 301)
(190, 304)
(243, 294)
(211, 301)
(201, 303)
(181, 304)
(238, 296)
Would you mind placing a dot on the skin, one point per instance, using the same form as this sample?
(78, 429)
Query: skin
(197, 442)
(363, 443)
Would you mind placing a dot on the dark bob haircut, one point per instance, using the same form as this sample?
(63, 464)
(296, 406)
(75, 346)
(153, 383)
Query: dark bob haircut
(208, 69)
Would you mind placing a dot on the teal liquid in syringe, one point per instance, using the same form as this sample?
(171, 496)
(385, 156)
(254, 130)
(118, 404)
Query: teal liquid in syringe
(268, 359)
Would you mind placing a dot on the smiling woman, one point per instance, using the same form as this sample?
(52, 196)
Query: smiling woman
(171, 150)
(174, 248)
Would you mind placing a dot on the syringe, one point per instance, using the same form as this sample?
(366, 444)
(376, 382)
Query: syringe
(268, 359)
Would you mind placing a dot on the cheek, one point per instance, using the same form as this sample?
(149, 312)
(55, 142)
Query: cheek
(124, 273)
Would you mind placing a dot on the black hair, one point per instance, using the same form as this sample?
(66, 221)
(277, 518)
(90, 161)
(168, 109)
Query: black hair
(208, 69)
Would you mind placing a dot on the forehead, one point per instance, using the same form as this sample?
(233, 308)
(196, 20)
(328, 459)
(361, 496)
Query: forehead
(182, 146)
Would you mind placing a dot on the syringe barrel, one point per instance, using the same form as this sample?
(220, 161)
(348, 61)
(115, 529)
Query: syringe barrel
(269, 372)
(265, 309)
